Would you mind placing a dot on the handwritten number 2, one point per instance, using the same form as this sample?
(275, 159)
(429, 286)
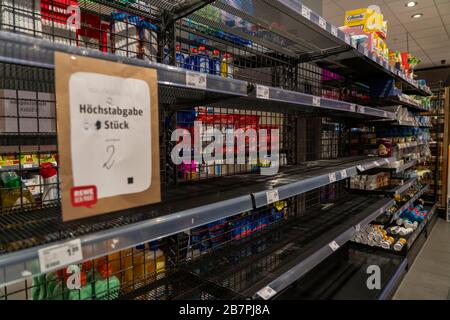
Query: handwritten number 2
(110, 162)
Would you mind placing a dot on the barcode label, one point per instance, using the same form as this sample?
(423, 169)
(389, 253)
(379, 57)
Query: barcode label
(332, 177)
(266, 293)
(344, 174)
(334, 31)
(334, 246)
(272, 196)
(57, 256)
(316, 101)
(262, 92)
(196, 80)
(322, 23)
(306, 12)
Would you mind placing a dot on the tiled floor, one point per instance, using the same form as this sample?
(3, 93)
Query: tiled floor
(429, 277)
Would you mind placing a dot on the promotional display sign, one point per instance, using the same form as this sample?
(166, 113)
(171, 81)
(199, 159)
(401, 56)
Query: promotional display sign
(108, 135)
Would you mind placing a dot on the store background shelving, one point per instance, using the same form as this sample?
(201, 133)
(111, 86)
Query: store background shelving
(278, 76)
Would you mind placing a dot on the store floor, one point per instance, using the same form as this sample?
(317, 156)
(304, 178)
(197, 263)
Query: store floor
(429, 277)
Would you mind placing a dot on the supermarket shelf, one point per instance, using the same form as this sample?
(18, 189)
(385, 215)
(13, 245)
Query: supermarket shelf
(411, 240)
(308, 33)
(390, 122)
(402, 168)
(175, 86)
(343, 276)
(183, 207)
(274, 260)
(400, 100)
(410, 202)
(24, 166)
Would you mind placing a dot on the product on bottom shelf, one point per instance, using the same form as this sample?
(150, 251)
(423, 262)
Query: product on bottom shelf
(13, 194)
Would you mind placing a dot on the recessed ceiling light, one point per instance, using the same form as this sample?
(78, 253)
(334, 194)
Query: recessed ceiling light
(417, 15)
(411, 4)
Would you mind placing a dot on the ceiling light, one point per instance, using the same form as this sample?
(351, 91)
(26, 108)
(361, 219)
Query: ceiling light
(417, 15)
(411, 4)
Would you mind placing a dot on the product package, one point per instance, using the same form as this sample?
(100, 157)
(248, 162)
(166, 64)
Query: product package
(56, 23)
(22, 16)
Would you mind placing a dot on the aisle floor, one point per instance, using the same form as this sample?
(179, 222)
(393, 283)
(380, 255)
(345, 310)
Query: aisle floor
(429, 277)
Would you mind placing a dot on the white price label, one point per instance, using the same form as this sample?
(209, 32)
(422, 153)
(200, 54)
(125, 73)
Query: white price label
(360, 168)
(322, 23)
(306, 12)
(196, 80)
(334, 246)
(385, 114)
(362, 109)
(334, 31)
(377, 164)
(386, 160)
(366, 52)
(57, 256)
(353, 107)
(27, 166)
(354, 43)
(272, 196)
(347, 39)
(332, 177)
(316, 101)
(358, 227)
(262, 92)
(266, 293)
(344, 174)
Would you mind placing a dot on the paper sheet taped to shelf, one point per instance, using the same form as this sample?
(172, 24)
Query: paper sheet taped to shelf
(266, 293)
(272, 196)
(334, 246)
(316, 101)
(196, 80)
(57, 256)
(262, 92)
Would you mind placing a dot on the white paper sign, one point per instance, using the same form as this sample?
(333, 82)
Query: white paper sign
(360, 168)
(344, 174)
(332, 177)
(272, 196)
(322, 23)
(57, 256)
(334, 31)
(196, 80)
(334, 246)
(110, 133)
(266, 293)
(306, 12)
(316, 101)
(262, 92)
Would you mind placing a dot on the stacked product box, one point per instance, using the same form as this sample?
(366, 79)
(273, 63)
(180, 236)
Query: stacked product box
(370, 182)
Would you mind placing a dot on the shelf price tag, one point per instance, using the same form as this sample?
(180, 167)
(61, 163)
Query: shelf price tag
(316, 101)
(196, 80)
(306, 12)
(334, 246)
(57, 256)
(353, 107)
(358, 227)
(272, 196)
(266, 293)
(27, 166)
(362, 109)
(332, 177)
(344, 174)
(322, 23)
(334, 31)
(347, 39)
(377, 164)
(366, 51)
(262, 92)
(361, 168)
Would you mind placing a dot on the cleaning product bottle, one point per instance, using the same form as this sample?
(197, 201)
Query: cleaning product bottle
(14, 194)
(215, 63)
(50, 176)
(179, 57)
(203, 59)
(192, 60)
(226, 67)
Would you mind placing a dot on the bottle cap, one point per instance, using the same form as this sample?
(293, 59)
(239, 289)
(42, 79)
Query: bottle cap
(194, 50)
(47, 170)
(216, 53)
(202, 48)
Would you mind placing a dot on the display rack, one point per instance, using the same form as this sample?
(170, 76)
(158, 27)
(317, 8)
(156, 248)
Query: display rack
(221, 231)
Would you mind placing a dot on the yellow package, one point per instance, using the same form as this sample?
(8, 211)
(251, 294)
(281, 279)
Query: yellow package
(365, 18)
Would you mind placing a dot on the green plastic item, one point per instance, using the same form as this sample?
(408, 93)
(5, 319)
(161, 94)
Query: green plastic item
(107, 289)
(85, 293)
(35, 288)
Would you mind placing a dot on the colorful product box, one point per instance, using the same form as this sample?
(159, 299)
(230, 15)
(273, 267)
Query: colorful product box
(367, 20)
(56, 26)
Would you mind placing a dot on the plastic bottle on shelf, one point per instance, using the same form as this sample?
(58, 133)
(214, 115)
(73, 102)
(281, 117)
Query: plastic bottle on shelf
(226, 66)
(203, 59)
(13, 194)
(50, 185)
(215, 63)
(192, 60)
(180, 58)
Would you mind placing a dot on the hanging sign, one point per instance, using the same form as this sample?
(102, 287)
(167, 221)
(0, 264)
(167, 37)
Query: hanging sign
(108, 136)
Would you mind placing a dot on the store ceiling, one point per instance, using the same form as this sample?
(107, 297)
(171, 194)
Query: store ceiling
(429, 36)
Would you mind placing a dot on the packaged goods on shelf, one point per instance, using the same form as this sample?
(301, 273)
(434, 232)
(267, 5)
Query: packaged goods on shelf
(56, 23)
(22, 16)
(367, 19)
(370, 182)
(35, 111)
